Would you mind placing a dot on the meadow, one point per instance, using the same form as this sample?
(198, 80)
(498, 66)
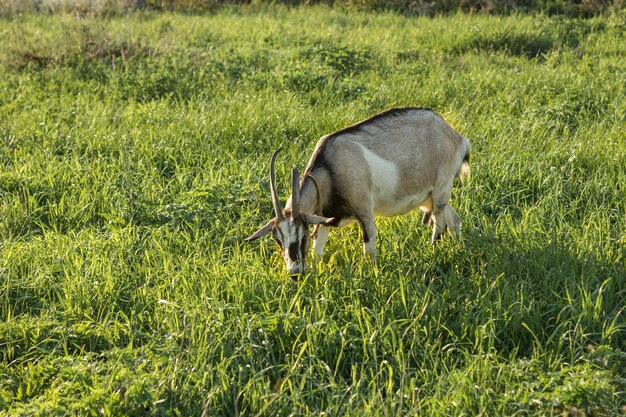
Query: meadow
(133, 160)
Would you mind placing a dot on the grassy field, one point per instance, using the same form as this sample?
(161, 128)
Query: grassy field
(134, 156)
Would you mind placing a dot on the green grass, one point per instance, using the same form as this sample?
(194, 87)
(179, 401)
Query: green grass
(134, 154)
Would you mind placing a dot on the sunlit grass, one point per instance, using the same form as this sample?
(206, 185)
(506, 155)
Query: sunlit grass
(134, 160)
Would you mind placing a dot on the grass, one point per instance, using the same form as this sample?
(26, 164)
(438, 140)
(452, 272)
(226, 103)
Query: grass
(134, 158)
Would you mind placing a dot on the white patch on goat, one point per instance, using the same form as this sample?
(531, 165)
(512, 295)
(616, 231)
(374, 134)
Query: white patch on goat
(385, 178)
(385, 181)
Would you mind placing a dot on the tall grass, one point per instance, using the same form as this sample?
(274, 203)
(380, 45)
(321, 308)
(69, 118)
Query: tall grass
(134, 159)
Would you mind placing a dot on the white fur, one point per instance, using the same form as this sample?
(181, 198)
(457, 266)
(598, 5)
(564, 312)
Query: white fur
(384, 177)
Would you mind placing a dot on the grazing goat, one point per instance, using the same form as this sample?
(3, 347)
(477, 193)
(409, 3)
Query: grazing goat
(386, 165)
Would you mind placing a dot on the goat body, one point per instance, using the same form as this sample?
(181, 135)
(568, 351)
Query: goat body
(386, 165)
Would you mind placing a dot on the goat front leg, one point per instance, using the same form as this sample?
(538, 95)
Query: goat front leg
(427, 218)
(368, 227)
(320, 235)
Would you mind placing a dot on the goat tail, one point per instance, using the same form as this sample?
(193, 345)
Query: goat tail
(464, 170)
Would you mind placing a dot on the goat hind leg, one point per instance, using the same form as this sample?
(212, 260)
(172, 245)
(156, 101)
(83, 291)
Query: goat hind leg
(441, 217)
(446, 219)
(454, 221)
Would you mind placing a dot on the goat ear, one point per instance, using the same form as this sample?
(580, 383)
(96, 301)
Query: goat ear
(262, 231)
(313, 219)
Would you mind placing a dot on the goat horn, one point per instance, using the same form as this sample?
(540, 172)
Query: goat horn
(295, 192)
(277, 208)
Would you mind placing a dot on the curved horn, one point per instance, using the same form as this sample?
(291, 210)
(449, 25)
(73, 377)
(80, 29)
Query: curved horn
(295, 192)
(277, 208)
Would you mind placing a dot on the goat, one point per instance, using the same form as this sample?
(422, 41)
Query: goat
(386, 165)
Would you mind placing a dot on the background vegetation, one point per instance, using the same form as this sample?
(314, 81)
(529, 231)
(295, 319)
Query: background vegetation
(133, 155)
(577, 8)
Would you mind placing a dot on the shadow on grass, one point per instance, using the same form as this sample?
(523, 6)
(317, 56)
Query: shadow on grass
(519, 294)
